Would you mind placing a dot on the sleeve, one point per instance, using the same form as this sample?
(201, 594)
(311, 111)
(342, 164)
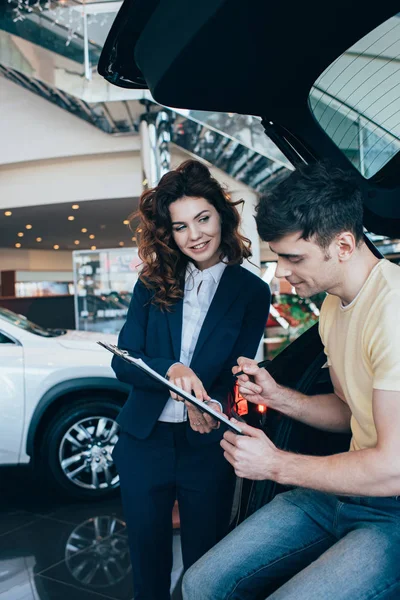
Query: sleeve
(384, 343)
(251, 331)
(132, 338)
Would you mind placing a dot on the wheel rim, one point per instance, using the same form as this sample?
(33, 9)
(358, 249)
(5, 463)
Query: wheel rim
(85, 453)
(96, 555)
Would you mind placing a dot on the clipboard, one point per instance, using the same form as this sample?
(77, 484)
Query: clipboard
(140, 364)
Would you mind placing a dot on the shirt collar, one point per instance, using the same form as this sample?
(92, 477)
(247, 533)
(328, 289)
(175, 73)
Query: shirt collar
(215, 271)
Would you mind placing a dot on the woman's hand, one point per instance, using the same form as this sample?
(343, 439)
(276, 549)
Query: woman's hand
(186, 379)
(202, 422)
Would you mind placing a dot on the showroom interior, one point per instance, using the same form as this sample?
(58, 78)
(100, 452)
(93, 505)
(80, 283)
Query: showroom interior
(76, 155)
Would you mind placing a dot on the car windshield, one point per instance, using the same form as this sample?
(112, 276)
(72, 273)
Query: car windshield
(23, 323)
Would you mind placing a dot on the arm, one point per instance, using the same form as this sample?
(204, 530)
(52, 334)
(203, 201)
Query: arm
(251, 331)
(133, 339)
(370, 472)
(329, 412)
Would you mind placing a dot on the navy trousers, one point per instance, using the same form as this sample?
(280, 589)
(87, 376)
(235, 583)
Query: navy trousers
(153, 473)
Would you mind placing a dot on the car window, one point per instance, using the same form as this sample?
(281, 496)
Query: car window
(5, 340)
(356, 100)
(23, 323)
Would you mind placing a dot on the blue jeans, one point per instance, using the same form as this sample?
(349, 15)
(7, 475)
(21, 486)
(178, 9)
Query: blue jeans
(305, 545)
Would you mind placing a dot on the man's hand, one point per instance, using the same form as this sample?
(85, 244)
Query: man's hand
(202, 422)
(186, 379)
(252, 455)
(262, 390)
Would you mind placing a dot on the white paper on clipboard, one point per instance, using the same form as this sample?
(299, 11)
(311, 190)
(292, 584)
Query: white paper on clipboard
(140, 364)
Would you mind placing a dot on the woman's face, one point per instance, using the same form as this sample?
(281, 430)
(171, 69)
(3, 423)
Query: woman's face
(196, 228)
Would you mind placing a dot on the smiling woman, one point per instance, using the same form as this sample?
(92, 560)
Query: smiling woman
(187, 217)
(194, 311)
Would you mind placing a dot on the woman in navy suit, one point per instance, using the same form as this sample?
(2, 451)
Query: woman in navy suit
(194, 310)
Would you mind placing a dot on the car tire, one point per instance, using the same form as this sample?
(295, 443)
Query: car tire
(77, 448)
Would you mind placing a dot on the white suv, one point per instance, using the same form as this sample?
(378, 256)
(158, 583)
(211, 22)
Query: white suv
(59, 400)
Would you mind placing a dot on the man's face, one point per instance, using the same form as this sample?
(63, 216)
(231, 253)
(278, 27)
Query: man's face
(309, 268)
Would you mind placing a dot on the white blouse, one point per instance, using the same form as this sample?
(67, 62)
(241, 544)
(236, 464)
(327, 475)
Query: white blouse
(200, 287)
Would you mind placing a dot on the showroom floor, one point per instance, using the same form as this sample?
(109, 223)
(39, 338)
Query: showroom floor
(60, 549)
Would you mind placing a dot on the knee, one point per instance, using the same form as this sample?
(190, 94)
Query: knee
(195, 584)
(190, 583)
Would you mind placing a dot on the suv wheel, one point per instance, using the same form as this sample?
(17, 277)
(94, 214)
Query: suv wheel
(77, 448)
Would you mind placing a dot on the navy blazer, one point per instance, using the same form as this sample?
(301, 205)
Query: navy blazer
(233, 327)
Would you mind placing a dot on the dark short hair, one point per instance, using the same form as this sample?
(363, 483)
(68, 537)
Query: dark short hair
(318, 200)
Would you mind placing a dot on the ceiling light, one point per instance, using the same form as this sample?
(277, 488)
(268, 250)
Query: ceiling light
(139, 230)
(76, 242)
(133, 239)
(20, 234)
(38, 239)
(84, 230)
(71, 218)
(93, 247)
(75, 206)
(28, 226)
(122, 244)
(56, 246)
(92, 236)
(8, 213)
(18, 245)
(126, 222)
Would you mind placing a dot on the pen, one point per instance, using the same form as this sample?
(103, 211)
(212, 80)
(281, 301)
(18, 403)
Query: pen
(263, 363)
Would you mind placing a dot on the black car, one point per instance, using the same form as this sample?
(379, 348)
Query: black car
(325, 81)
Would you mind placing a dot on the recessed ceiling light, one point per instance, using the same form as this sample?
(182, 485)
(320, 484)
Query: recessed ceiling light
(92, 236)
(18, 245)
(126, 222)
(76, 242)
(134, 239)
(93, 247)
(8, 213)
(84, 230)
(28, 226)
(122, 243)
(56, 246)
(75, 206)
(38, 239)
(71, 218)
(20, 234)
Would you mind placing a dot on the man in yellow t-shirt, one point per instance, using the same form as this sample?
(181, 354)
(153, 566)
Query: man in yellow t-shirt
(336, 535)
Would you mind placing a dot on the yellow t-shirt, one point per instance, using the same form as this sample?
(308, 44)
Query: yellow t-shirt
(362, 343)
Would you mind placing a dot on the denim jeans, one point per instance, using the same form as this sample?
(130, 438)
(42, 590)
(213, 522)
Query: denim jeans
(305, 545)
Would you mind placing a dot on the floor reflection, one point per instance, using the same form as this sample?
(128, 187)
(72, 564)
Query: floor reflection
(56, 548)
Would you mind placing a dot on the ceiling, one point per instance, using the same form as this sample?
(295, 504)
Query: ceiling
(102, 218)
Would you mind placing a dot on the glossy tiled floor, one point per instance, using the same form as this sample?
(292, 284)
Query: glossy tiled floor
(59, 549)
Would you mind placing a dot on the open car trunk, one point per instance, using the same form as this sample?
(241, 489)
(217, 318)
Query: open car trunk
(277, 61)
(312, 73)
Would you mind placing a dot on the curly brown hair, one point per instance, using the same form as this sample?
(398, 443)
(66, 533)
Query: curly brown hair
(164, 265)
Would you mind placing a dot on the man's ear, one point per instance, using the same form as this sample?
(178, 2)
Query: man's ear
(345, 245)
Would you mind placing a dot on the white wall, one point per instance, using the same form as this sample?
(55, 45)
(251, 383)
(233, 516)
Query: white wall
(34, 129)
(35, 260)
(71, 179)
